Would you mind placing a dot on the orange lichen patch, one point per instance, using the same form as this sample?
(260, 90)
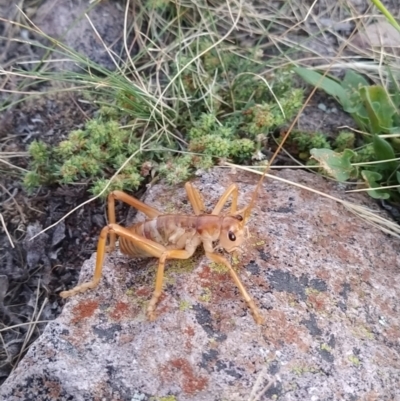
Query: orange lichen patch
(53, 389)
(126, 339)
(144, 292)
(84, 310)
(121, 309)
(317, 300)
(371, 396)
(386, 357)
(189, 331)
(386, 307)
(323, 274)
(180, 370)
(366, 276)
(77, 337)
(205, 273)
(327, 218)
(281, 332)
(393, 334)
(342, 253)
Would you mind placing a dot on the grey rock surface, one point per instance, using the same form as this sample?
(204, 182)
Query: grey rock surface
(327, 283)
(66, 21)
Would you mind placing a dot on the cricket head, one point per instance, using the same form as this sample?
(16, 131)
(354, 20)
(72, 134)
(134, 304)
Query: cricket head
(233, 232)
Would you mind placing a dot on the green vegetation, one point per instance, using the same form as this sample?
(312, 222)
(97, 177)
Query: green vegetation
(93, 154)
(375, 109)
(205, 98)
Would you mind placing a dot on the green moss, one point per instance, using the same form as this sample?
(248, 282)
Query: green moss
(229, 125)
(363, 332)
(181, 265)
(326, 347)
(166, 398)
(344, 140)
(218, 268)
(184, 305)
(354, 360)
(206, 295)
(301, 370)
(311, 291)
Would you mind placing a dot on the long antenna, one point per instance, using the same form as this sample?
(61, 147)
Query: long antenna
(267, 168)
(247, 210)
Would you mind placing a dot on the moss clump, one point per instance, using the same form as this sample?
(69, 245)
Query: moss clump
(87, 155)
(218, 268)
(184, 305)
(344, 140)
(326, 347)
(232, 124)
(206, 295)
(354, 360)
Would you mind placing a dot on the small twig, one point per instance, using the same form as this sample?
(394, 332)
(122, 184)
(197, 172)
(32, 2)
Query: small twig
(24, 324)
(5, 229)
(33, 325)
(12, 197)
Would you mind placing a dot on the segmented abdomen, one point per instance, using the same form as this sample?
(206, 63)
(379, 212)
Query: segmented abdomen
(172, 231)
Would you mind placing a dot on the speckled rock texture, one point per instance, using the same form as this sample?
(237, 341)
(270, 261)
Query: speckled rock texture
(327, 283)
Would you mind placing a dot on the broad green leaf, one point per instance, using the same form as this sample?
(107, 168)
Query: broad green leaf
(384, 151)
(330, 86)
(396, 88)
(335, 164)
(354, 81)
(371, 178)
(360, 116)
(379, 107)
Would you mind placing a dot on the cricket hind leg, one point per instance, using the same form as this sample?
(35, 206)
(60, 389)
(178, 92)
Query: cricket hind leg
(233, 191)
(151, 247)
(251, 304)
(131, 201)
(195, 199)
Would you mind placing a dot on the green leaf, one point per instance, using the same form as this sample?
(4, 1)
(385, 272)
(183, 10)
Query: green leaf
(354, 81)
(335, 164)
(384, 151)
(371, 178)
(398, 176)
(379, 108)
(330, 86)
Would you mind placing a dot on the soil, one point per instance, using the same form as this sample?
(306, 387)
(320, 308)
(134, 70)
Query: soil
(32, 273)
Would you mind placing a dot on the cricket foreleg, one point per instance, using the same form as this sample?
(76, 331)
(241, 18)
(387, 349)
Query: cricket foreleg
(253, 308)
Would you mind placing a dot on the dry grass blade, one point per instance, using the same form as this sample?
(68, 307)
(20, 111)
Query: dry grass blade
(23, 324)
(256, 393)
(364, 213)
(6, 231)
(32, 326)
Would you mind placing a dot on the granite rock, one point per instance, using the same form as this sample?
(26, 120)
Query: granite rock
(327, 283)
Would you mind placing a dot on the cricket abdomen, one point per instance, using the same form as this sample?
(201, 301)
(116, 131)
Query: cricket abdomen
(173, 231)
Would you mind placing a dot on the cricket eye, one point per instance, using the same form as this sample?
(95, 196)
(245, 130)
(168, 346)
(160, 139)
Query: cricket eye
(231, 236)
(239, 217)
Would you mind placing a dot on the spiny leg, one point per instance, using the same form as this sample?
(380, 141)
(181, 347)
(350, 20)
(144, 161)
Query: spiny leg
(253, 308)
(152, 248)
(168, 254)
(130, 200)
(231, 190)
(195, 199)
